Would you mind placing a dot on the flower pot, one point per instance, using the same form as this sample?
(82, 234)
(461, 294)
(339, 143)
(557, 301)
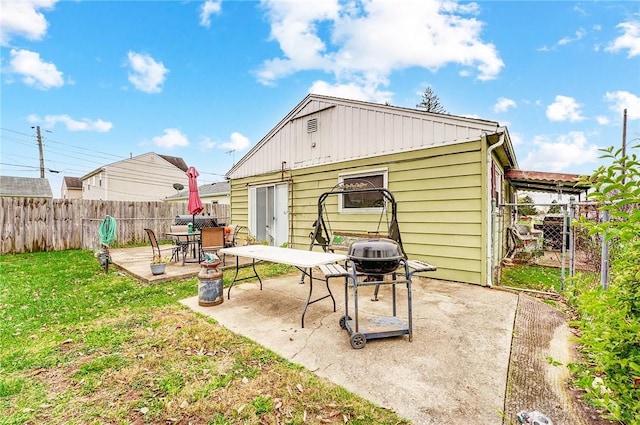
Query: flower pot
(157, 269)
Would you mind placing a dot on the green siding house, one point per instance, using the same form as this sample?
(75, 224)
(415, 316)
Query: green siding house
(443, 170)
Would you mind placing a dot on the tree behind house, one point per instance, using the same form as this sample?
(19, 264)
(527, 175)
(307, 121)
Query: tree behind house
(430, 102)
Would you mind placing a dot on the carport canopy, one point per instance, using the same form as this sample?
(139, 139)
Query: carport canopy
(540, 181)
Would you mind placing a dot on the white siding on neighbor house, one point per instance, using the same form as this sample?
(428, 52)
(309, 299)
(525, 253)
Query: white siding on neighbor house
(147, 177)
(349, 130)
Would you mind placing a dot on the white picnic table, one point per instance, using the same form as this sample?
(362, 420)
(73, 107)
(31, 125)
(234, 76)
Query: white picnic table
(303, 260)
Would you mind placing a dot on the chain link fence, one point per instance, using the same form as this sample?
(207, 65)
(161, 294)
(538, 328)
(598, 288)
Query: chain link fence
(549, 235)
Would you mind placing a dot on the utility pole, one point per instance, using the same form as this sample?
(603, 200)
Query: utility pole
(624, 133)
(39, 135)
(624, 144)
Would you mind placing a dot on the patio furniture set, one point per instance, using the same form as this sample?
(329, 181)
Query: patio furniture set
(189, 245)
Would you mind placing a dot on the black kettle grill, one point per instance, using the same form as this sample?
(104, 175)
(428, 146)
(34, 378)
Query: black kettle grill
(375, 256)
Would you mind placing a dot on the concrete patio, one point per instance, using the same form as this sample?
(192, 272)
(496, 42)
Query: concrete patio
(478, 355)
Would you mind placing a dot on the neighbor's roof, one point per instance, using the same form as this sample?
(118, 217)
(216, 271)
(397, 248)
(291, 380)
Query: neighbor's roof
(176, 160)
(571, 184)
(213, 189)
(173, 160)
(27, 187)
(73, 182)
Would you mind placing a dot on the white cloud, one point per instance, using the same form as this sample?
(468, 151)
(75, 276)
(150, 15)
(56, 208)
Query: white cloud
(207, 143)
(209, 7)
(146, 74)
(516, 139)
(171, 138)
(23, 18)
(237, 142)
(602, 120)
(621, 100)
(34, 71)
(366, 41)
(351, 91)
(579, 35)
(560, 155)
(84, 124)
(630, 39)
(503, 104)
(564, 109)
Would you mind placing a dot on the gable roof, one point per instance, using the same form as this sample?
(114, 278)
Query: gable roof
(206, 190)
(27, 187)
(173, 160)
(348, 129)
(72, 182)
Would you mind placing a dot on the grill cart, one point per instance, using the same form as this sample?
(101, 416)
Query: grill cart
(370, 260)
(372, 271)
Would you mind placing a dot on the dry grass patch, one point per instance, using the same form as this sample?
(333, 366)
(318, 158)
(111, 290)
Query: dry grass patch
(169, 365)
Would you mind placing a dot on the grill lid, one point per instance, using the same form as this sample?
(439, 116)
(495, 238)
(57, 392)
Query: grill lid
(380, 249)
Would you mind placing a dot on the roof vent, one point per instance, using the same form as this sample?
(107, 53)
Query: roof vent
(312, 125)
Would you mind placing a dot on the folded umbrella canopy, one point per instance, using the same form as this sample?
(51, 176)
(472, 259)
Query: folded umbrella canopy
(195, 203)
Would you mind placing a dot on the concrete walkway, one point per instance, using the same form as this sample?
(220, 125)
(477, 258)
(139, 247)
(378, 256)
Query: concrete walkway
(454, 371)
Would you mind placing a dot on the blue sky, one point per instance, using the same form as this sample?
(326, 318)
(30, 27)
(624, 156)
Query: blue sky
(206, 80)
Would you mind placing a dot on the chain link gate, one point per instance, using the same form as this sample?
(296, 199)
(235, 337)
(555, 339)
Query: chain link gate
(548, 235)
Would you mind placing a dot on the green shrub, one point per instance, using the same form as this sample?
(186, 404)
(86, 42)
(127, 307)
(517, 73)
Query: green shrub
(609, 320)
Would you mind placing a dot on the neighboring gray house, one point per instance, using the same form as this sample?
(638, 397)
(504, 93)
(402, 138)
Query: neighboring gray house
(146, 177)
(71, 188)
(214, 193)
(25, 187)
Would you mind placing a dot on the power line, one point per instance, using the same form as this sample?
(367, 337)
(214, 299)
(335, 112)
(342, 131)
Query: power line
(87, 156)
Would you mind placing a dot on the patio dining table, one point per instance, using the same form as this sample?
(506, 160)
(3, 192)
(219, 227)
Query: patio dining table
(191, 243)
(303, 260)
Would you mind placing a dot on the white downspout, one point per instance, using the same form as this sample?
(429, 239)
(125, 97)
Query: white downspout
(489, 212)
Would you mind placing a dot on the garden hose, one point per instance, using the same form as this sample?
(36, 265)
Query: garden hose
(107, 230)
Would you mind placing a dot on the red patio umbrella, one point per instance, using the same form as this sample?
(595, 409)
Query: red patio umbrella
(195, 203)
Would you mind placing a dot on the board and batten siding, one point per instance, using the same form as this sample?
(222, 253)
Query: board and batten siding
(349, 130)
(439, 192)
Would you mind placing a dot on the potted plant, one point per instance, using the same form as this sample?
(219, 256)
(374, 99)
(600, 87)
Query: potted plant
(158, 264)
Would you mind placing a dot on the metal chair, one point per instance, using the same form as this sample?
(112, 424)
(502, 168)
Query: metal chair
(157, 251)
(182, 242)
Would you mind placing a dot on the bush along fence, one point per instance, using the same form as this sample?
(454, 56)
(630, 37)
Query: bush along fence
(37, 224)
(552, 235)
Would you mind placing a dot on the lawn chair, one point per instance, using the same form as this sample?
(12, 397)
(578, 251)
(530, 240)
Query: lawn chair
(157, 251)
(211, 239)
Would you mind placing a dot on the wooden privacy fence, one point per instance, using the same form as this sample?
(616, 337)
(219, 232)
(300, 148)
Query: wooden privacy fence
(36, 224)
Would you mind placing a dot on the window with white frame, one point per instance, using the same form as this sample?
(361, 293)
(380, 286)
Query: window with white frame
(362, 203)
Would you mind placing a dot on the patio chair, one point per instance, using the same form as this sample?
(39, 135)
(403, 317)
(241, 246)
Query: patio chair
(211, 239)
(523, 239)
(182, 242)
(158, 251)
(231, 238)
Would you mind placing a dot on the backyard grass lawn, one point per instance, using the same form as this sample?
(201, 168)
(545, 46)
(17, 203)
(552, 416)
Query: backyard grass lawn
(527, 276)
(78, 347)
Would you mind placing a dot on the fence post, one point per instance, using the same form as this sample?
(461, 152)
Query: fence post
(572, 250)
(563, 237)
(604, 260)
